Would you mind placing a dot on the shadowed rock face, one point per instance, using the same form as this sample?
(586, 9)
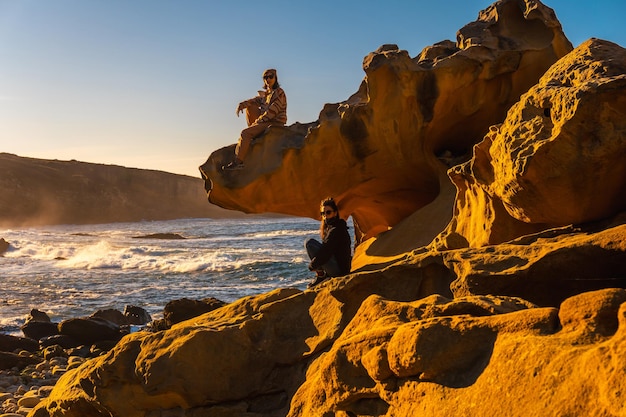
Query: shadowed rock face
(381, 153)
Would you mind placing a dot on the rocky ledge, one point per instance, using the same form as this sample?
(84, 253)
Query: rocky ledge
(486, 181)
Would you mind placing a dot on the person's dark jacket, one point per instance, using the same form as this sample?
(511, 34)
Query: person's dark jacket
(336, 242)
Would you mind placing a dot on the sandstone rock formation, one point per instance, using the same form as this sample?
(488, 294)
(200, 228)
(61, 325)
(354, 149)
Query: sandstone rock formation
(38, 191)
(534, 325)
(376, 343)
(557, 159)
(380, 152)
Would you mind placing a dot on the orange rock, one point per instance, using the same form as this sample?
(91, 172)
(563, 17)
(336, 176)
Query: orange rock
(381, 152)
(557, 159)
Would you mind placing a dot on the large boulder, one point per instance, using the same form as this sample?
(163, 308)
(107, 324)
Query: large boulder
(90, 330)
(337, 350)
(183, 309)
(531, 362)
(10, 360)
(10, 343)
(381, 153)
(38, 325)
(136, 315)
(558, 158)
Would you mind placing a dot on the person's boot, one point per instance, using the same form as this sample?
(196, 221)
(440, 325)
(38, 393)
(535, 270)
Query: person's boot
(320, 275)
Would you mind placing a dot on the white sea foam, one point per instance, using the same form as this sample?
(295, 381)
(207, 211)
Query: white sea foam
(69, 271)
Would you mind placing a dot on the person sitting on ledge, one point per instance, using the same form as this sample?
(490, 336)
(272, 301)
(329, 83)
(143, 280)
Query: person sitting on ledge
(332, 257)
(267, 109)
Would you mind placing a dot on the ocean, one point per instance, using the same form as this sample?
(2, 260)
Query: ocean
(72, 271)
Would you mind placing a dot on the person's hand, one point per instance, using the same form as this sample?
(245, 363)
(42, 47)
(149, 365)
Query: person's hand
(240, 108)
(311, 267)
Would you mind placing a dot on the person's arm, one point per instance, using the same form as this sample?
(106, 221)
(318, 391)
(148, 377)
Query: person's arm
(277, 105)
(254, 101)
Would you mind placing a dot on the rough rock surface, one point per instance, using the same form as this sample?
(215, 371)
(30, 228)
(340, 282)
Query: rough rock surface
(390, 142)
(557, 159)
(532, 326)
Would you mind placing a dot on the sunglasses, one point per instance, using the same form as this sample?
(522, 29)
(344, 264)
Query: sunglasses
(327, 212)
(268, 77)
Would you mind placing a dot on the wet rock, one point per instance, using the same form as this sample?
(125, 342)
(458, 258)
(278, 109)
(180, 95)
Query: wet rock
(165, 236)
(136, 315)
(38, 315)
(4, 246)
(10, 360)
(38, 330)
(112, 315)
(90, 330)
(183, 309)
(10, 343)
(65, 341)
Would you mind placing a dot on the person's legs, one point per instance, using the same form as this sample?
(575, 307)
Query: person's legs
(312, 247)
(246, 137)
(331, 267)
(252, 113)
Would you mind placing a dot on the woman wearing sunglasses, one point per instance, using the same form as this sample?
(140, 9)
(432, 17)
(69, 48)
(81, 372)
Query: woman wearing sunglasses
(332, 257)
(266, 109)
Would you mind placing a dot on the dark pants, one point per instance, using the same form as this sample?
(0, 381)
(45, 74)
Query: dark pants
(331, 267)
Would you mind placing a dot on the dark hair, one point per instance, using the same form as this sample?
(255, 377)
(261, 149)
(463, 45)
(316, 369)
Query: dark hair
(275, 73)
(330, 202)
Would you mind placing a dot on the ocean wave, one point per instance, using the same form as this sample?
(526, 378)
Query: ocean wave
(71, 271)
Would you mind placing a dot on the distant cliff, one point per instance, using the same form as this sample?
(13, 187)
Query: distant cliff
(38, 191)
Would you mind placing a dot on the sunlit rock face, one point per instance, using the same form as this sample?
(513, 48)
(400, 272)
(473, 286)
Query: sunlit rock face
(434, 334)
(557, 159)
(381, 153)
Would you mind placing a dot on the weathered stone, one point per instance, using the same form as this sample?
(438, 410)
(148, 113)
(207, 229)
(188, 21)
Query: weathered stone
(112, 315)
(53, 351)
(9, 343)
(546, 271)
(558, 157)
(38, 315)
(10, 360)
(183, 309)
(39, 329)
(62, 340)
(136, 315)
(393, 139)
(90, 330)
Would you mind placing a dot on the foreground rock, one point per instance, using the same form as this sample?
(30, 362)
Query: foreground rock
(376, 343)
(392, 359)
(410, 120)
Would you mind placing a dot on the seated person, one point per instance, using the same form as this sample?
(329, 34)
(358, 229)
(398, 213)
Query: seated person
(267, 109)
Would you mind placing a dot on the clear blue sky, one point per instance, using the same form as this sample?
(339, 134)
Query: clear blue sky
(154, 83)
